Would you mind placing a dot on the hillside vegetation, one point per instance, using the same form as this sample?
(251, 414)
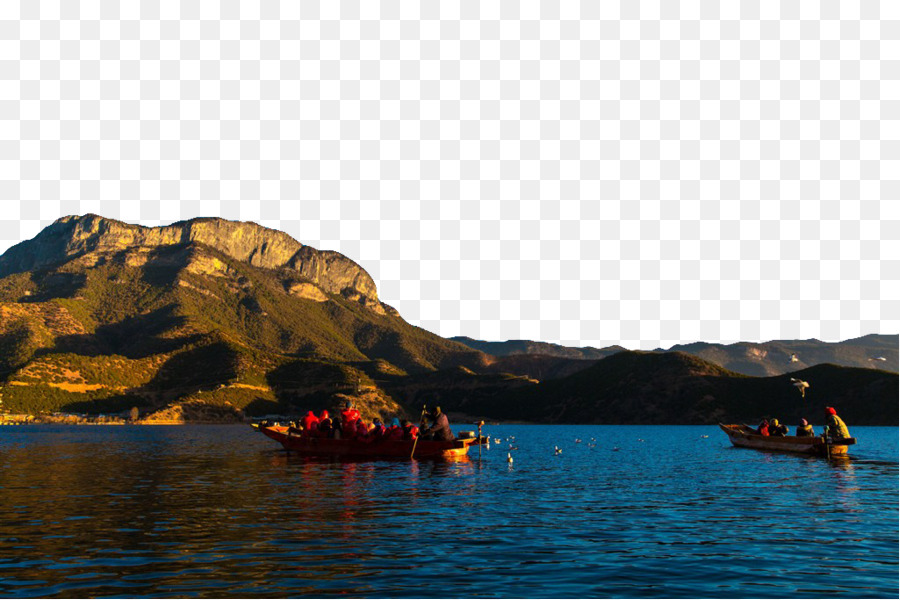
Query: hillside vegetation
(113, 325)
(215, 320)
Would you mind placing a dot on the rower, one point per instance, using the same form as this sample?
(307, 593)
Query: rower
(834, 425)
(440, 427)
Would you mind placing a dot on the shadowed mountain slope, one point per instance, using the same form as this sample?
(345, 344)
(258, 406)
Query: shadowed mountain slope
(678, 388)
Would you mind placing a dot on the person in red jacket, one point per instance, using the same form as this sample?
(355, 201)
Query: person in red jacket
(395, 432)
(310, 423)
(378, 429)
(362, 431)
(763, 428)
(349, 417)
(410, 431)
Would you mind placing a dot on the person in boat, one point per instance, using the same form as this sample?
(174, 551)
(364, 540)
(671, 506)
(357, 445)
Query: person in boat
(410, 431)
(310, 423)
(395, 431)
(440, 427)
(777, 429)
(349, 417)
(834, 425)
(763, 428)
(378, 429)
(362, 431)
(805, 429)
(325, 425)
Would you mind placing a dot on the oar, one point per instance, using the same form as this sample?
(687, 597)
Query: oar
(480, 423)
(421, 420)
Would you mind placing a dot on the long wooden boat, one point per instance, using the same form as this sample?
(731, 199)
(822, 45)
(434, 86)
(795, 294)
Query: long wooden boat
(314, 446)
(747, 437)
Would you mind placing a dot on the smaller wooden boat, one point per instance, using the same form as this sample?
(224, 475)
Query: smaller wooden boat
(747, 437)
(294, 441)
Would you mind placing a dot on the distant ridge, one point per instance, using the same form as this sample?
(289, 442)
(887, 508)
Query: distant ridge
(678, 388)
(749, 358)
(511, 347)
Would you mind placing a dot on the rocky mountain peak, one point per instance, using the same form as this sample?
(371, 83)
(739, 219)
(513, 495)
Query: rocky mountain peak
(76, 236)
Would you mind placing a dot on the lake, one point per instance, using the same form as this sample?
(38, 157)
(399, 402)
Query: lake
(640, 511)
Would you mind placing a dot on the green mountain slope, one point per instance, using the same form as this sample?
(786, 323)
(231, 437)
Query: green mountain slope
(186, 320)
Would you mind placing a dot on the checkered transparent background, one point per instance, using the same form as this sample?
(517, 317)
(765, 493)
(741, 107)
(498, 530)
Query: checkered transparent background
(631, 172)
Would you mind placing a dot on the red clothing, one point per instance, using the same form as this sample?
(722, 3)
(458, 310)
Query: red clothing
(395, 434)
(411, 432)
(310, 422)
(349, 417)
(763, 430)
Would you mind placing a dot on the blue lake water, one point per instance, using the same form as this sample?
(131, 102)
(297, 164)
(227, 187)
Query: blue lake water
(649, 511)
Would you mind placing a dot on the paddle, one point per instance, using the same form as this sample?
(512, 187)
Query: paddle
(421, 420)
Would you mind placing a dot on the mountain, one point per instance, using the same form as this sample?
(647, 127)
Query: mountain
(98, 315)
(775, 357)
(762, 359)
(211, 319)
(678, 388)
(516, 347)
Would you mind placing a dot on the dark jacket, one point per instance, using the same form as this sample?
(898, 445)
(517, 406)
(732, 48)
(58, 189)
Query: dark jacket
(779, 430)
(440, 428)
(805, 431)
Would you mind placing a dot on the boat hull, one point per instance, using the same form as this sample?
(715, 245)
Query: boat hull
(314, 446)
(747, 437)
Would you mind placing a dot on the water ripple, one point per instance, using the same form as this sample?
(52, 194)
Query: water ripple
(222, 512)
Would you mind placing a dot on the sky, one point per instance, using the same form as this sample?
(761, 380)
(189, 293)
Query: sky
(635, 173)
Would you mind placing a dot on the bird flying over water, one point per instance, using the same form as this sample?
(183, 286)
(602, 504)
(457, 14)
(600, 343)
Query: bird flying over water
(800, 385)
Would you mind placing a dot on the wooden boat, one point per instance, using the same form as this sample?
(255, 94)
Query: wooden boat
(747, 437)
(292, 440)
